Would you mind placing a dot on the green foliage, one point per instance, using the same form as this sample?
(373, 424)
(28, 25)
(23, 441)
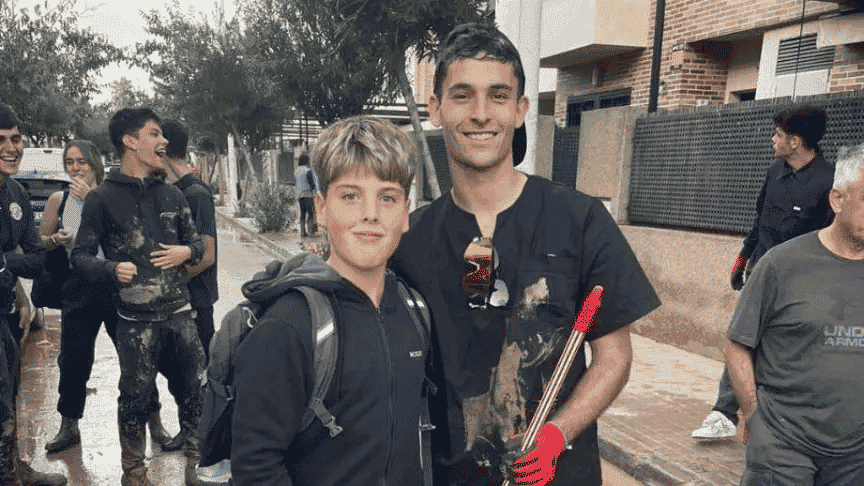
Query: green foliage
(207, 77)
(299, 46)
(273, 207)
(49, 68)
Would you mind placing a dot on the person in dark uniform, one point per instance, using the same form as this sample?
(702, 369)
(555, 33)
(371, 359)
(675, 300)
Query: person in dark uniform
(16, 229)
(503, 260)
(793, 201)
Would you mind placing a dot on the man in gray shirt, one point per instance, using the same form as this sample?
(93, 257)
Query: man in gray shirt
(796, 349)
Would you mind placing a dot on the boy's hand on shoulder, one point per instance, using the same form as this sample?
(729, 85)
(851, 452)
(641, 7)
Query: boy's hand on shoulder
(126, 271)
(170, 256)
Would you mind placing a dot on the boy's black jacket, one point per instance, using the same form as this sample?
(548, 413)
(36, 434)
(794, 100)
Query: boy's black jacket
(376, 395)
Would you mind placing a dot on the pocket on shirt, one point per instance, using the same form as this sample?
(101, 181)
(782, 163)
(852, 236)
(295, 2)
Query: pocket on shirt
(169, 222)
(558, 277)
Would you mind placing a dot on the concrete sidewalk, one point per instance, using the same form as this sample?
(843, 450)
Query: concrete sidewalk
(646, 431)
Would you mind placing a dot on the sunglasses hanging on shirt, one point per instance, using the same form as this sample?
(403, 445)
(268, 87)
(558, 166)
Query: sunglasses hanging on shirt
(480, 282)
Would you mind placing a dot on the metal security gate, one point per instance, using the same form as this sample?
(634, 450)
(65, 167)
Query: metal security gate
(565, 155)
(703, 168)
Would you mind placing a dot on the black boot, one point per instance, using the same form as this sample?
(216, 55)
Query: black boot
(175, 443)
(66, 436)
(157, 432)
(28, 477)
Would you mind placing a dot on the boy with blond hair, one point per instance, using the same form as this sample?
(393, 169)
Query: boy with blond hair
(364, 168)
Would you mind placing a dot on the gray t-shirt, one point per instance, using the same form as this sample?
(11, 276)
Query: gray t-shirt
(802, 311)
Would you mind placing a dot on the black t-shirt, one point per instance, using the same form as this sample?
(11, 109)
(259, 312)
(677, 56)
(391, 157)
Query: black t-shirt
(203, 289)
(496, 360)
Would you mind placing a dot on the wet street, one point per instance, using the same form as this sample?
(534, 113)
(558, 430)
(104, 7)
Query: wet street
(96, 461)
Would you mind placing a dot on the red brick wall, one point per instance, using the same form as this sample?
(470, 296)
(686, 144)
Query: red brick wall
(702, 74)
(847, 73)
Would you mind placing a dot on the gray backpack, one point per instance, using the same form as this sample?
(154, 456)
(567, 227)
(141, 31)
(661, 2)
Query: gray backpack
(217, 408)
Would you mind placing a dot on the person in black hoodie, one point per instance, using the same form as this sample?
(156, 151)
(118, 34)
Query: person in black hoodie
(146, 232)
(364, 169)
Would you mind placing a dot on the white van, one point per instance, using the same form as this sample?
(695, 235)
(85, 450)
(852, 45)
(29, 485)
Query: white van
(41, 173)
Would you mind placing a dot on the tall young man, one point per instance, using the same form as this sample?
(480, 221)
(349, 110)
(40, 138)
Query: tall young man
(146, 232)
(365, 169)
(16, 229)
(504, 260)
(793, 201)
(795, 350)
(203, 288)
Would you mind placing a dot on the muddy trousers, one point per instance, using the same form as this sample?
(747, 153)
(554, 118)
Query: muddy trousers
(77, 344)
(140, 346)
(8, 393)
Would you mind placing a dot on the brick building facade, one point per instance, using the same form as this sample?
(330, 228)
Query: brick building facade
(714, 52)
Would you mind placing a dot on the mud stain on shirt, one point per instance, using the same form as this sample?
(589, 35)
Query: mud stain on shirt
(501, 414)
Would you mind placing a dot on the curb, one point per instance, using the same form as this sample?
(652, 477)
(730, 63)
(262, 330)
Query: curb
(273, 248)
(632, 457)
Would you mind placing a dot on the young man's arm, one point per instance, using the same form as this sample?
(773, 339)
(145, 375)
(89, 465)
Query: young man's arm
(204, 215)
(189, 250)
(87, 243)
(752, 238)
(270, 375)
(611, 356)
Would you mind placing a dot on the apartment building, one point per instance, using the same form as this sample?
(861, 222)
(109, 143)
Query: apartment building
(714, 51)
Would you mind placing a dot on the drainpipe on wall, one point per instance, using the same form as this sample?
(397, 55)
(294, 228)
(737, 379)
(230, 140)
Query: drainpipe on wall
(654, 89)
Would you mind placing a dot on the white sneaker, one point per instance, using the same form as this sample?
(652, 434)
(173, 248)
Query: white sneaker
(219, 473)
(715, 426)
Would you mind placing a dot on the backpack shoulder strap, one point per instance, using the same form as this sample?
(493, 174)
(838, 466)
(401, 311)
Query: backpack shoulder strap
(326, 340)
(63, 203)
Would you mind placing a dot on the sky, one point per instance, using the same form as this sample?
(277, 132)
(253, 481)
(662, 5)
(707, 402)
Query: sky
(120, 22)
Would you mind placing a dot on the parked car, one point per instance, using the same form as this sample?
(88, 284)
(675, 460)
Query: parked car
(41, 173)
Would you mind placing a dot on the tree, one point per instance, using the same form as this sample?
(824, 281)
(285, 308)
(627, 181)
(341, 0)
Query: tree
(397, 26)
(207, 78)
(49, 68)
(318, 70)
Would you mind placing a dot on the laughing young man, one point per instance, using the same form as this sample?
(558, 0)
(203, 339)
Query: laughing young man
(503, 261)
(146, 232)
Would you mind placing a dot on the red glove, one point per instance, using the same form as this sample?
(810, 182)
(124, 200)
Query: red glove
(737, 276)
(537, 467)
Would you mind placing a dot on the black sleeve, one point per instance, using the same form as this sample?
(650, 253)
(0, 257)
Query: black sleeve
(87, 242)
(32, 262)
(752, 238)
(203, 212)
(627, 293)
(187, 234)
(272, 375)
